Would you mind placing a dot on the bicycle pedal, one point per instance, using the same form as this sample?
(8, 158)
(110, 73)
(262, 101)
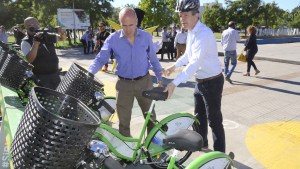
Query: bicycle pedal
(231, 155)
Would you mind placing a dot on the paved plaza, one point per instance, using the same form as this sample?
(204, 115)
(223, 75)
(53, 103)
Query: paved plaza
(261, 113)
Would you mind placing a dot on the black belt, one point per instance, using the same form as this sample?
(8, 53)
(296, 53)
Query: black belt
(133, 79)
(207, 79)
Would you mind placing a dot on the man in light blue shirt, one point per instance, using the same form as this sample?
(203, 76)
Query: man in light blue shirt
(229, 39)
(134, 53)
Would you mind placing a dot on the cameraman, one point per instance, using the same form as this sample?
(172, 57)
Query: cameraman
(40, 52)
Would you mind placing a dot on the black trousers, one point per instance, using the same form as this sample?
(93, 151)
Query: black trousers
(207, 97)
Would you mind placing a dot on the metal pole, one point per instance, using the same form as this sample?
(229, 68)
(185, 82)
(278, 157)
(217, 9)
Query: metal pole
(74, 30)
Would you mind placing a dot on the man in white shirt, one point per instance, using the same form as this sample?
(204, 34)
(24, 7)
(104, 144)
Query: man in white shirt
(229, 39)
(165, 42)
(180, 42)
(201, 60)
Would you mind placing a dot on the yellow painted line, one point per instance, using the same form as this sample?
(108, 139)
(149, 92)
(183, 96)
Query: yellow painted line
(109, 88)
(275, 145)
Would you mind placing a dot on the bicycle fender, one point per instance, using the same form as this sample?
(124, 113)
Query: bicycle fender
(214, 159)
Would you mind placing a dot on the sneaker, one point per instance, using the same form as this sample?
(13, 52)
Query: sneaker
(257, 72)
(228, 79)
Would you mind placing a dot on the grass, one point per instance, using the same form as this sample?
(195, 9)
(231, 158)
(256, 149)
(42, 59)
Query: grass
(65, 44)
(59, 44)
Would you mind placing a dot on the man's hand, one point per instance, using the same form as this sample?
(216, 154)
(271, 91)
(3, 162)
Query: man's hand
(39, 37)
(169, 70)
(170, 89)
(160, 84)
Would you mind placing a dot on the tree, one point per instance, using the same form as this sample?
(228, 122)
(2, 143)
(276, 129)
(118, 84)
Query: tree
(244, 12)
(295, 18)
(213, 16)
(158, 12)
(271, 15)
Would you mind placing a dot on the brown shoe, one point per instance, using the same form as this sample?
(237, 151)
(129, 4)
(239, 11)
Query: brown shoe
(246, 74)
(257, 72)
(104, 68)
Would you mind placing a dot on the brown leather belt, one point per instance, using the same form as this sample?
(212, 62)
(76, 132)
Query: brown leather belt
(133, 79)
(207, 79)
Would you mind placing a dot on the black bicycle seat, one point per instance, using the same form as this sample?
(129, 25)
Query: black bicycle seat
(184, 139)
(157, 93)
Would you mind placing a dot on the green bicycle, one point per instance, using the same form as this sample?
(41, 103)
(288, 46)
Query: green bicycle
(148, 149)
(179, 141)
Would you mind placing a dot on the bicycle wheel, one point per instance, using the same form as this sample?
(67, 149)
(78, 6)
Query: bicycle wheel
(159, 153)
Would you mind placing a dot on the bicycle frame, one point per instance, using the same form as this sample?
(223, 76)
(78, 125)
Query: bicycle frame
(134, 146)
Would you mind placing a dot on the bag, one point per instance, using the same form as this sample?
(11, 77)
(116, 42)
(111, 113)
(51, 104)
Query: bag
(242, 57)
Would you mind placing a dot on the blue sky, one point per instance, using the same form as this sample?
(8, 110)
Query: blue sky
(283, 4)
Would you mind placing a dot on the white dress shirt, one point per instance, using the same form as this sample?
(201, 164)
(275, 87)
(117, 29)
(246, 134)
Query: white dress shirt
(180, 38)
(201, 55)
(229, 38)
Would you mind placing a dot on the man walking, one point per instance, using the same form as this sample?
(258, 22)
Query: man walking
(229, 39)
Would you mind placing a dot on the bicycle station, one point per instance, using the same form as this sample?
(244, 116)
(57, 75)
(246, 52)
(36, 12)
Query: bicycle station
(70, 128)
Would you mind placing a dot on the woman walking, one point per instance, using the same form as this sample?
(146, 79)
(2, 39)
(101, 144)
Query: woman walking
(251, 49)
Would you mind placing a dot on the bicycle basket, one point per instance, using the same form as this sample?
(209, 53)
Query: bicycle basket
(79, 83)
(3, 53)
(13, 70)
(54, 130)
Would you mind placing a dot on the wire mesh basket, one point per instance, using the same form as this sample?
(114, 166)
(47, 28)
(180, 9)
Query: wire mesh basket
(79, 83)
(3, 53)
(53, 132)
(13, 70)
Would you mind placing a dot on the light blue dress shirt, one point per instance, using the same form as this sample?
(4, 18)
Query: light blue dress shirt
(132, 60)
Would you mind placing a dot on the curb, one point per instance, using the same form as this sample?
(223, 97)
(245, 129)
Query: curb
(221, 54)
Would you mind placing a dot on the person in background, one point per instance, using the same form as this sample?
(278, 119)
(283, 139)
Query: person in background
(171, 47)
(84, 42)
(134, 53)
(165, 43)
(89, 40)
(18, 34)
(251, 49)
(229, 39)
(3, 35)
(201, 60)
(41, 54)
(180, 42)
(101, 37)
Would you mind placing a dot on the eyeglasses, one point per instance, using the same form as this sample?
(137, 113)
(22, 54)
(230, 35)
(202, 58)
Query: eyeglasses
(101, 26)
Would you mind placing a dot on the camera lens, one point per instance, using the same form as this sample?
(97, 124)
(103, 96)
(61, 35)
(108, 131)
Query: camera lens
(32, 29)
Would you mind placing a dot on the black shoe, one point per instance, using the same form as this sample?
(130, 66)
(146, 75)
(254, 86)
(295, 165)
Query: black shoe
(228, 79)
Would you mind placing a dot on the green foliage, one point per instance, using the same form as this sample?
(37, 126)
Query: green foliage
(159, 12)
(295, 18)
(213, 16)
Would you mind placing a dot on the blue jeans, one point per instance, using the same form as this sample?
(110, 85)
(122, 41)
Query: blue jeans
(207, 98)
(229, 56)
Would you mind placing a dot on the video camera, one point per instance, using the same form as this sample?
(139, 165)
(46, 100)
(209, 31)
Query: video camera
(45, 37)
